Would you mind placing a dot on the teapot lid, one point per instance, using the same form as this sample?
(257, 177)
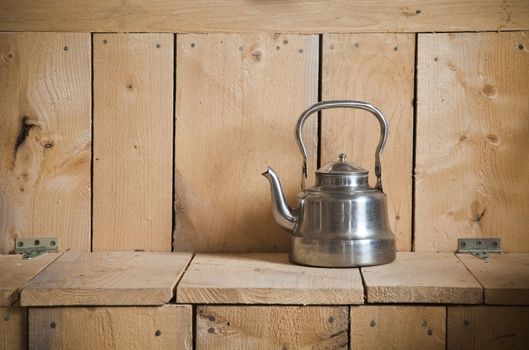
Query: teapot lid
(341, 174)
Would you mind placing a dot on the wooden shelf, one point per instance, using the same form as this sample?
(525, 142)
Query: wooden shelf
(266, 279)
(504, 277)
(107, 278)
(438, 278)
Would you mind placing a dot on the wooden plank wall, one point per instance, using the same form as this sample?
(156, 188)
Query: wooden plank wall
(472, 160)
(45, 138)
(133, 141)
(238, 98)
(377, 68)
(240, 16)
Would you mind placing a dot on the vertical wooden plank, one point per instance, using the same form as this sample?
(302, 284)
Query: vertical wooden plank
(45, 138)
(164, 327)
(488, 327)
(377, 68)
(398, 327)
(133, 134)
(13, 328)
(472, 166)
(238, 98)
(265, 327)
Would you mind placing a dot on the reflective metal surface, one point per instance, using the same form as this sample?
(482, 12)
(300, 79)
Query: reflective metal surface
(341, 221)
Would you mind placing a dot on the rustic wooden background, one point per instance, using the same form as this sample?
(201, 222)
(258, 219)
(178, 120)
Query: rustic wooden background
(156, 140)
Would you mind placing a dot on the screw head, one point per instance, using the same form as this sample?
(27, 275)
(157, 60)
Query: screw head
(52, 243)
(36, 242)
(20, 244)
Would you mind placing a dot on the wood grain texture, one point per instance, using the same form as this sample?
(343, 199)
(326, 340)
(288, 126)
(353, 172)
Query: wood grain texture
(238, 98)
(376, 68)
(164, 327)
(113, 278)
(266, 279)
(15, 272)
(472, 145)
(398, 327)
(264, 327)
(133, 134)
(45, 138)
(244, 16)
(422, 278)
(505, 277)
(487, 327)
(13, 328)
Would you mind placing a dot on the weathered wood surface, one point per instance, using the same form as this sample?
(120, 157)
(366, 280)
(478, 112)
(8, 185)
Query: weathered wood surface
(107, 278)
(472, 160)
(488, 327)
(266, 279)
(422, 278)
(398, 327)
(244, 16)
(164, 327)
(268, 327)
(13, 328)
(15, 272)
(238, 98)
(505, 277)
(45, 138)
(133, 141)
(376, 68)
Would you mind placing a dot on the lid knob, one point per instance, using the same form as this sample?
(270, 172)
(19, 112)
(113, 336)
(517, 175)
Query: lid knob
(342, 157)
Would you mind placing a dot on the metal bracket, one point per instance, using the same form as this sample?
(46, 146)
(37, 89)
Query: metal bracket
(479, 247)
(32, 247)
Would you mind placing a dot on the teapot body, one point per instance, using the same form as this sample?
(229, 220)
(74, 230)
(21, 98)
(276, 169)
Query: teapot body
(342, 229)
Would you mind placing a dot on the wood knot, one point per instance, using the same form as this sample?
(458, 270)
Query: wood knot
(488, 90)
(256, 55)
(492, 139)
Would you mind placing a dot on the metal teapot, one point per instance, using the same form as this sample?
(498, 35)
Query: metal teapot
(341, 221)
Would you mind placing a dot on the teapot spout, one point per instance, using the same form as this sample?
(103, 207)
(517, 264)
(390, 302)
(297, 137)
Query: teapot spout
(284, 216)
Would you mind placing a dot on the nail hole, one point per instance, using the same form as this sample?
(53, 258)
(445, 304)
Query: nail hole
(396, 48)
(105, 41)
(36, 242)
(241, 48)
(66, 48)
(430, 332)
(373, 323)
(285, 41)
(357, 44)
(192, 44)
(157, 333)
(53, 325)
(300, 50)
(158, 46)
(417, 12)
(331, 319)
(521, 47)
(20, 244)
(52, 243)
(466, 322)
(211, 330)
(436, 59)
(278, 48)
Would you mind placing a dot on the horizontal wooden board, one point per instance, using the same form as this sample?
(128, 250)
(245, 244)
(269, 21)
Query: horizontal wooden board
(45, 138)
(15, 272)
(266, 279)
(131, 328)
(488, 328)
(422, 278)
(13, 328)
(398, 327)
(107, 278)
(266, 15)
(377, 68)
(133, 141)
(266, 327)
(472, 159)
(238, 98)
(504, 277)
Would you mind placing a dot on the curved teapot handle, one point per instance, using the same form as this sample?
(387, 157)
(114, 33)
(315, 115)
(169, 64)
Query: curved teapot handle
(344, 104)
